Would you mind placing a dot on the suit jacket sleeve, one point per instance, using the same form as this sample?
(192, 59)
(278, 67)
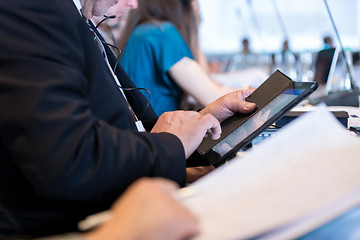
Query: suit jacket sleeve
(57, 124)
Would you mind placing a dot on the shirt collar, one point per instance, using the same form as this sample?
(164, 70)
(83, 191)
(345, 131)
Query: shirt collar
(78, 5)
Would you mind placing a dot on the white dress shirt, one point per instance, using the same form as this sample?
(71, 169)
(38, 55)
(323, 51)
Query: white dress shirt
(77, 4)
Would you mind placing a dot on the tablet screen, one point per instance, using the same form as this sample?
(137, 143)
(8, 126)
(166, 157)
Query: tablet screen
(256, 121)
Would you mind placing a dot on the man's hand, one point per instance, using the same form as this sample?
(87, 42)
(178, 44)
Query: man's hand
(195, 173)
(189, 126)
(148, 210)
(227, 105)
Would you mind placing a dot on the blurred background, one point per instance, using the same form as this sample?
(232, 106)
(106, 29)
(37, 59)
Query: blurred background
(264, 35)
(305, 22)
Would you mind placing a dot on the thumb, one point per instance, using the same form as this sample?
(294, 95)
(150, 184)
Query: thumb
(212, 125)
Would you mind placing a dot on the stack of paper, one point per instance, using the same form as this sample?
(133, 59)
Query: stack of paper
(299, 179)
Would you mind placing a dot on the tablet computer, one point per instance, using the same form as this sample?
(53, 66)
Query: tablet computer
(275, 97)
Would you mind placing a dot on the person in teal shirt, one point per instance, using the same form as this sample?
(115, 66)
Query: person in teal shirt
(160, 53)
(150, 53)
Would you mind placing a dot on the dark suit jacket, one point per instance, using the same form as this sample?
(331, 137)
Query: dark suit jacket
(68, 143)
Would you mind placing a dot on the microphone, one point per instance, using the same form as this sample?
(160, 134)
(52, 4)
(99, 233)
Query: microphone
(348, 64)
(256, 24)
(104, 19)
(280, 20)
(112, 16)
(104, 42)
(343, 98)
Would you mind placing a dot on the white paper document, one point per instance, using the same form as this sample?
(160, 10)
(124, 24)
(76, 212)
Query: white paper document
(305, 175)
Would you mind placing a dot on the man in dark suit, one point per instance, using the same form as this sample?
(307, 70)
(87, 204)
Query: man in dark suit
(69, 142)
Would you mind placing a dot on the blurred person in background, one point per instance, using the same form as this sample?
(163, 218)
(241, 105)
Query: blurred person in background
(160, 53)
(245, 46)
(328, 42)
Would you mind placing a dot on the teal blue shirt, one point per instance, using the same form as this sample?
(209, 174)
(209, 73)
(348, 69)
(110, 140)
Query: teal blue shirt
(149, 54)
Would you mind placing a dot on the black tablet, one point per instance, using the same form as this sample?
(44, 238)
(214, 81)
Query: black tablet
(276, 96)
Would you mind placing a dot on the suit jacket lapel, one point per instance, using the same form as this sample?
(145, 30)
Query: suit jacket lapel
(139, 103)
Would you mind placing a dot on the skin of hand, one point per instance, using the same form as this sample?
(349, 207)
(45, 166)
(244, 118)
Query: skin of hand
(148, 210)
(189, 126)
(194, 173)
(229, 104)
(221, 109)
